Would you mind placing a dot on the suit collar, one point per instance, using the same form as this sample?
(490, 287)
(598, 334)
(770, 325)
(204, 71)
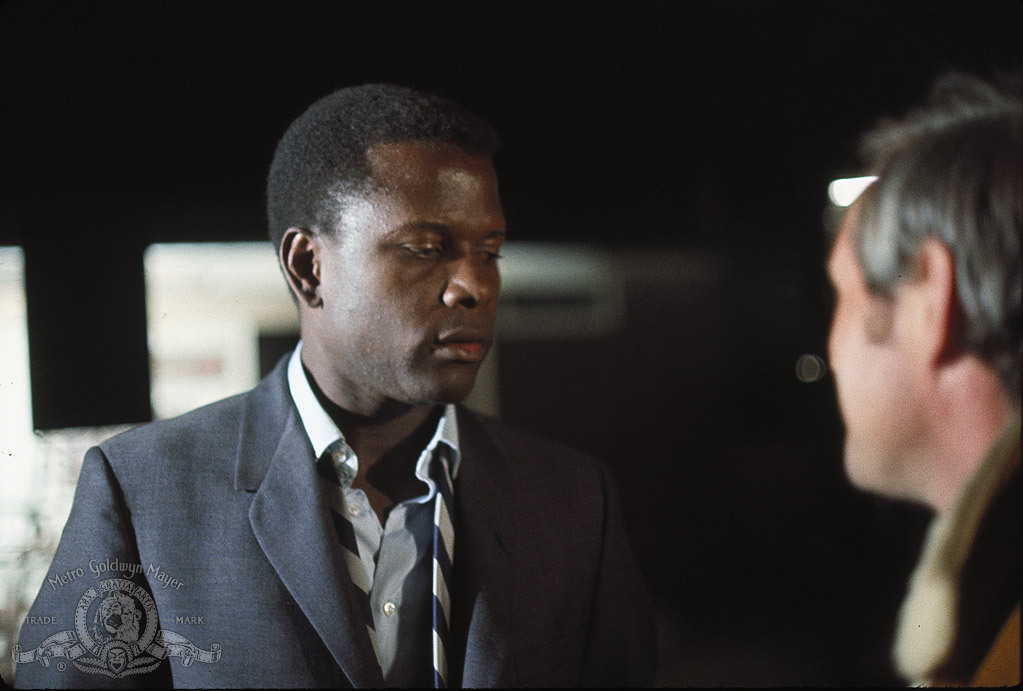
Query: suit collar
(930, 616)
(267, 411)
(291, 523)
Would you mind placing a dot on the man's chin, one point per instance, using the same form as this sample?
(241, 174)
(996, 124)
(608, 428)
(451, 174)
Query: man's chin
(453, 390)
(874, 471)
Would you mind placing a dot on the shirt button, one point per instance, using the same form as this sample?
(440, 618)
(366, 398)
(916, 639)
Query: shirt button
(389, 609)
(345, 474)
(353, 510)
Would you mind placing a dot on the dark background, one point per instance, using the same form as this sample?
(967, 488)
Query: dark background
(710, 127)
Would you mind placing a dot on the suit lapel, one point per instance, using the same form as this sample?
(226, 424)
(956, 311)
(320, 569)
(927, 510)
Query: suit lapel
(290, 521)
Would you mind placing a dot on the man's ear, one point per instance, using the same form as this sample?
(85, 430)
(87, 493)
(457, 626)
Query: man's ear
(300, 259)
(935, 305)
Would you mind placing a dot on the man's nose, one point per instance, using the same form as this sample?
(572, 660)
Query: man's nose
(471, 283)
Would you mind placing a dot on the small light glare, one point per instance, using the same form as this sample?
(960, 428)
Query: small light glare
(810, 368)
(844, 191)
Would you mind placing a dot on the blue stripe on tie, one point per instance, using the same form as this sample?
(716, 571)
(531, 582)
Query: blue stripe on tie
(441, 555)
(443, 551)
(439, 625)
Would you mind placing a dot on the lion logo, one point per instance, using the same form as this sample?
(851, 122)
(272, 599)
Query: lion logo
(118, 617)
(116, 634)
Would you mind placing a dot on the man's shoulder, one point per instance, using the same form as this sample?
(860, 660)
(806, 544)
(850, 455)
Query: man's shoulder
(510, 436)
(525, 453)
(214, 425)
(210, 423)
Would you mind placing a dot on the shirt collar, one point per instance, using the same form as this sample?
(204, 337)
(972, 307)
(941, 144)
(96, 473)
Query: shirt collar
(322, 431)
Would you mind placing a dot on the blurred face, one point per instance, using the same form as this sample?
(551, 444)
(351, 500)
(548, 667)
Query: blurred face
(410, 282)
(873, 377)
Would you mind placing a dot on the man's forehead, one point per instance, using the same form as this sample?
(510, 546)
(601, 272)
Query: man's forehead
(841, 247)
(846, 228)
(408, 160)
(441, 177)
(421, 182)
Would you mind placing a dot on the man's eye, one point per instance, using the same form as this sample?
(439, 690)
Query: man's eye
(423, 251)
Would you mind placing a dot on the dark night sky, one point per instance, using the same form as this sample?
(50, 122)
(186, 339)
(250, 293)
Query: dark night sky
(617, 117)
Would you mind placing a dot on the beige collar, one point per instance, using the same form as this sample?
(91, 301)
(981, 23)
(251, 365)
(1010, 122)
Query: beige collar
(927, 621)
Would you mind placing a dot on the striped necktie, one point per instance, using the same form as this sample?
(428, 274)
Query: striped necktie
(336, 476)
(443, 553)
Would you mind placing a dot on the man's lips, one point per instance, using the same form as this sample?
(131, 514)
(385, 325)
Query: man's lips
(465, 345)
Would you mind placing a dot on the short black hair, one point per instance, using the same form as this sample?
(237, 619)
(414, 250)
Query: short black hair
(322, 156)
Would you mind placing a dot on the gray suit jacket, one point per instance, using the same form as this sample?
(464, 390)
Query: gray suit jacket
(217, 514)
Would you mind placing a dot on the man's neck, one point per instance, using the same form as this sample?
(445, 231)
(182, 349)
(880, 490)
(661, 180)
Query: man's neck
(387, 445)
(388, 453)
(972, 411)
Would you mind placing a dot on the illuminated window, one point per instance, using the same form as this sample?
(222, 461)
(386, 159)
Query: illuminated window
(16, 442)
(23, 552)
(209, 306)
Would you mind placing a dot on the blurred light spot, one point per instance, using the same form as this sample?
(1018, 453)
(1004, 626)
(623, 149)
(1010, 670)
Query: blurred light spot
(844, 191)
(810, 368)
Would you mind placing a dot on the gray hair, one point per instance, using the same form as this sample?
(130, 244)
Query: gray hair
(951, 170)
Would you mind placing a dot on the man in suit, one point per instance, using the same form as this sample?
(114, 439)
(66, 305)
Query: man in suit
(287, 536)
(925, 346)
